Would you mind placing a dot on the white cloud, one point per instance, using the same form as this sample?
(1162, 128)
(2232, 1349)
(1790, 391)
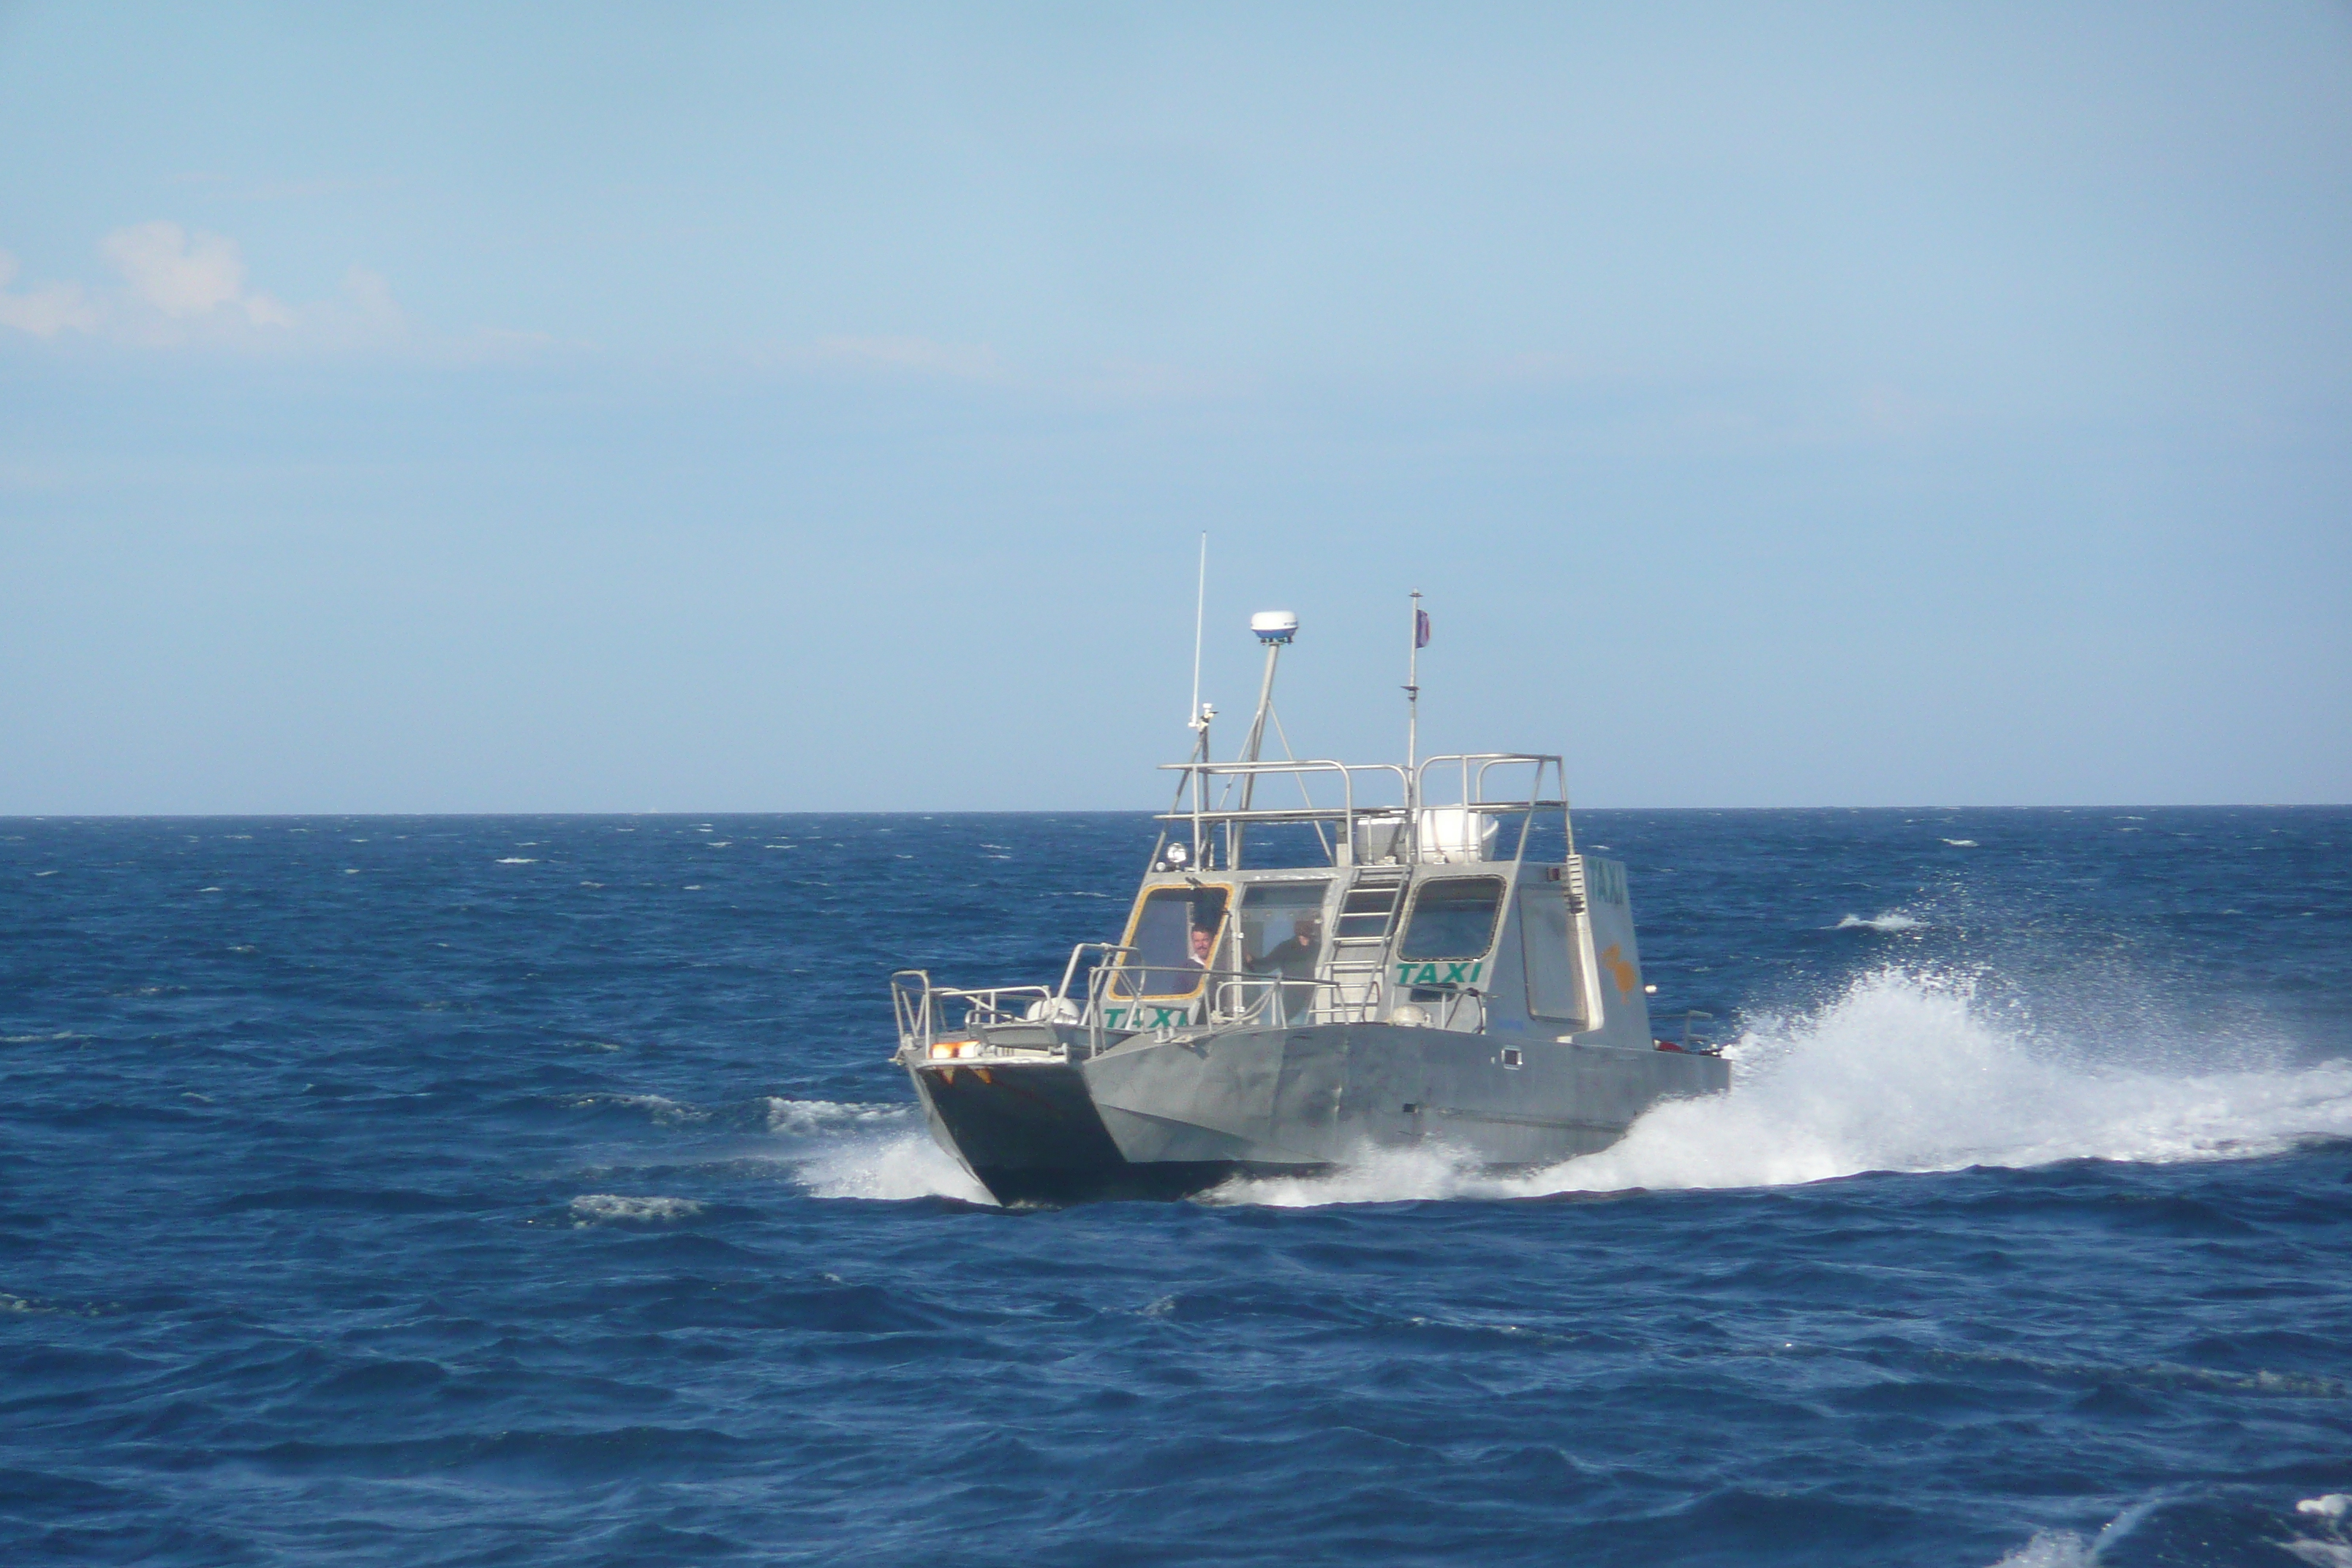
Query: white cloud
(180, 288)
(176, 274)
(46, 310)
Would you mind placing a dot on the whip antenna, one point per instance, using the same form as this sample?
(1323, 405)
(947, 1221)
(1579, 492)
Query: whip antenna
(1199, 603)
(1413, 685)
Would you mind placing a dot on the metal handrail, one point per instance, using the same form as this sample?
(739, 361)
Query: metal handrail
(1475, 801)
(1224, 1001)
(921, 1006)
(1487, 762)
(1283, 766)
(1070, 970)
(1202, 815)
(1200, 1005)
(1412, 784)
(1276, 1001)
(912, 1008)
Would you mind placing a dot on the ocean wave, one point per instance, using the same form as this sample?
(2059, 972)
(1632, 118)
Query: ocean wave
(2221, 1517)
(659, 1107)
(818, 1118)
(1903, 1072)
(2051, 1549)
(615, 1208)
(2330, 1549)
(1890, 921)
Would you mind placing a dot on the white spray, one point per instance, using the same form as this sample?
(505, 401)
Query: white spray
(1902, 1072)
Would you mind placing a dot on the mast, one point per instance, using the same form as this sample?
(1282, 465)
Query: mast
(1274, 629)
(1199, 717)
(1418, 635)
(1200, 604)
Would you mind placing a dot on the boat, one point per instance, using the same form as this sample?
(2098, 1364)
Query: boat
(1405, 956)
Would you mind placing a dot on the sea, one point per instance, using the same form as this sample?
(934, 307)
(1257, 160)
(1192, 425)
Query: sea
(425, 1190)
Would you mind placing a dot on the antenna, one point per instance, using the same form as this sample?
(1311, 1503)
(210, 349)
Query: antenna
(1200, 604)
(1198, 719)
(1419, 636)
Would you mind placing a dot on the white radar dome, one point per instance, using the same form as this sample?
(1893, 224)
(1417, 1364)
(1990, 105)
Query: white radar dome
(1275, 625)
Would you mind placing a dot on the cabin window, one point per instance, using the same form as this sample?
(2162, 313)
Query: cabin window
(1452, 918)
(1282, 928)
(1171, 924)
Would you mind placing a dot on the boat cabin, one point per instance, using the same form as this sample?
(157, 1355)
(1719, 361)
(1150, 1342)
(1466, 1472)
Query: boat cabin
(1427, 916)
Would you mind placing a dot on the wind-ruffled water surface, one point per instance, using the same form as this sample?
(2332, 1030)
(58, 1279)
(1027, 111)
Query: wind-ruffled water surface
(432, 1191)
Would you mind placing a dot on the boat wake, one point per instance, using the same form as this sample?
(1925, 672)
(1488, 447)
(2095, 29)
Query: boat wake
(877, 1151)
(1904, 1071)
(2313, 1534)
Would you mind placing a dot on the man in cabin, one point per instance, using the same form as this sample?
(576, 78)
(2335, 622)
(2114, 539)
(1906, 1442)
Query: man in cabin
(1202, 941)
(1294, 957)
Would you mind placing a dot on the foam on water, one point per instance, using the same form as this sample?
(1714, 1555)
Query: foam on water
(2051, 1549)
(659, 1107)
(881, 1151)
(2329, 1549)
(1890, 921)
(2289, 1533)
(1902, 1072)
(616, 1209)
(895, 1167)
(821, 1117)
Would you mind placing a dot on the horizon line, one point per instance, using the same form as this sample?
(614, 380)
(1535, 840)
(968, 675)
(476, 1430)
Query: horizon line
(1145, 812)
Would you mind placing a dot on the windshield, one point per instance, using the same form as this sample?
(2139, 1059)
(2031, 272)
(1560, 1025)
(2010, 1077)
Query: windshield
(1174, 937)
(1453, 918)
(1281, 927)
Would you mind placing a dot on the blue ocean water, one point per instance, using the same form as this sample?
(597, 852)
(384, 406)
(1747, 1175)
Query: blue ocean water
(432, 1191)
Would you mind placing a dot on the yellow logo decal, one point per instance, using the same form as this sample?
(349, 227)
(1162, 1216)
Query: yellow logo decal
(1624, 974)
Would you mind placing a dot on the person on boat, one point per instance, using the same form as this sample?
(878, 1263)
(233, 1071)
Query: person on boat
(1294, 957)
(1204, 939)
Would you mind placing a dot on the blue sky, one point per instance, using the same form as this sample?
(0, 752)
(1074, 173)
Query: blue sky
(580, 408)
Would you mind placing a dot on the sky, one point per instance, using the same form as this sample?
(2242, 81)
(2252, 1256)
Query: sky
(775, 408)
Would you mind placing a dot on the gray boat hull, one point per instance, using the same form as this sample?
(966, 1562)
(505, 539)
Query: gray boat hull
(1166, 1115)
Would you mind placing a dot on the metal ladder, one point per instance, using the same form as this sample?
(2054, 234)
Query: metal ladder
(1359, 943)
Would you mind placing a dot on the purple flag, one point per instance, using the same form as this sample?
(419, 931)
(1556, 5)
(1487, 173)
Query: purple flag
(1421, 628)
